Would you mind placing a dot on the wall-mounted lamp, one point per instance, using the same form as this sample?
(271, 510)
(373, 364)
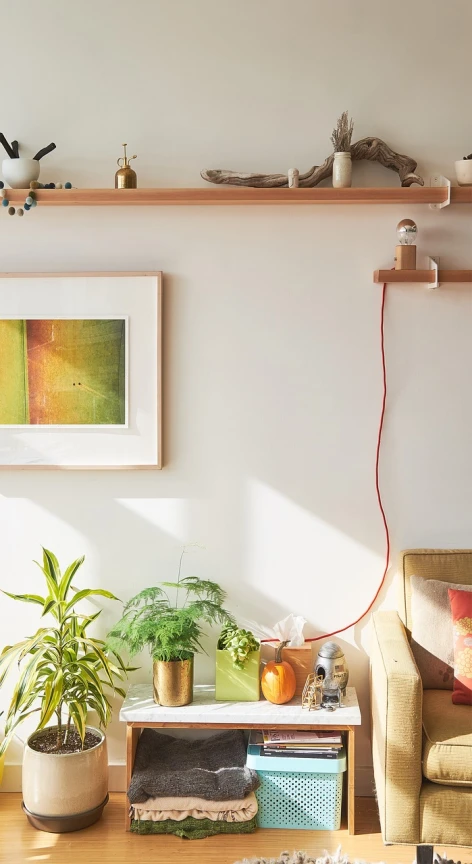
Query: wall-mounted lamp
(405, 252)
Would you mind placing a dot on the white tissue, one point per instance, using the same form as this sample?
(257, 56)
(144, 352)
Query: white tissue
(291, 630)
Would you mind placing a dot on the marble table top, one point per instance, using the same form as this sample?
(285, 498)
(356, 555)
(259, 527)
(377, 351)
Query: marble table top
(139, 707)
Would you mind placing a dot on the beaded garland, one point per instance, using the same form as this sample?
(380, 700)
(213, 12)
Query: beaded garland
(30, 200)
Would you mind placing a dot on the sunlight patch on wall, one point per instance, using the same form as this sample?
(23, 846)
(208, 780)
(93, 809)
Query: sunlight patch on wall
(314, 568)
(28, 525)
(168, 514)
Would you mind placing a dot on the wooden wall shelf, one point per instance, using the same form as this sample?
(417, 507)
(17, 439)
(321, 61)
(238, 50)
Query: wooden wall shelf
(218, 195)
(425, 276)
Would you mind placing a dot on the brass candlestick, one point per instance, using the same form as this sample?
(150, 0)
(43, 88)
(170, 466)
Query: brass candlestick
(125, 177)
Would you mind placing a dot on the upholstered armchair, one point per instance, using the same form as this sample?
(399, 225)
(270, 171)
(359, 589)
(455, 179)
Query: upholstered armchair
(422, 742)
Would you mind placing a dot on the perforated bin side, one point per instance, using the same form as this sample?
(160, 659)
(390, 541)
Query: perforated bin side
(289, 799)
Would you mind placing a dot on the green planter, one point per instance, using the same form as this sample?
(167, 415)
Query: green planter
(237, 685)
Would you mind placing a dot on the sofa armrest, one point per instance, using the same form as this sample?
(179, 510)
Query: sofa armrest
(396, 700)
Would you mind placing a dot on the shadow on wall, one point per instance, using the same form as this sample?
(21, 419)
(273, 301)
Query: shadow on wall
(269, 442)
(260, 480)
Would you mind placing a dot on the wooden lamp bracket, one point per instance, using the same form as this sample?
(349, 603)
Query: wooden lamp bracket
(433, 277)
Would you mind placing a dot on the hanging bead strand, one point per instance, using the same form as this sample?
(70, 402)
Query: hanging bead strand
(30, 200)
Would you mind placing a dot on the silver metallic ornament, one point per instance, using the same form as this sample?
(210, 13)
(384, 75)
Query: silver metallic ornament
(331, 664)
(331, 697)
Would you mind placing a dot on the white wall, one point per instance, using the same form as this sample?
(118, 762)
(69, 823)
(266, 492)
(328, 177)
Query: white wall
(272, 366)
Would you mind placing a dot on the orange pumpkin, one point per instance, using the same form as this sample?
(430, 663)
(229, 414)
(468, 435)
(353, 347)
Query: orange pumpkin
(278, 681)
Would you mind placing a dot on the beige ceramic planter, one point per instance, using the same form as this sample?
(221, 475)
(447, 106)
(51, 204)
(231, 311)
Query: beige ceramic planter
(66, 785)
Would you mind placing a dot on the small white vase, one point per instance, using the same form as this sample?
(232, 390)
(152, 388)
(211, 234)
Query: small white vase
(342, 170)
(464, 172)
(19, 173)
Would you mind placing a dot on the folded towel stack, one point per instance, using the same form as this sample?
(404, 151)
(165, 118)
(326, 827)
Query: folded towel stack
(160, 809)
(192, 788)
(193, 829)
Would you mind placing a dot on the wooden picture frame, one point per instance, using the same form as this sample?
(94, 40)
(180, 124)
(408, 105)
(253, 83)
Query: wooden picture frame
(135, 296)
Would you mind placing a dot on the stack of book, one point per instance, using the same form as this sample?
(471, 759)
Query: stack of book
(318, 745)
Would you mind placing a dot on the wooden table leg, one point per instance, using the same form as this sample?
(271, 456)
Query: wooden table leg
(351, 766)
(132, 738)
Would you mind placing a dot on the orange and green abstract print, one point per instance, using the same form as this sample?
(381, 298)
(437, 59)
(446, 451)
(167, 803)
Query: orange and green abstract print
(63, 372)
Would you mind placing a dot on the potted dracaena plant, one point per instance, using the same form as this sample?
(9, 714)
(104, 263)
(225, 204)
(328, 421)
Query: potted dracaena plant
(168, 619)
(238, 659)
(63, 673)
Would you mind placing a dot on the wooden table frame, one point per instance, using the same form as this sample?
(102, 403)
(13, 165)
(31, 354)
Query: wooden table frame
(133, 731)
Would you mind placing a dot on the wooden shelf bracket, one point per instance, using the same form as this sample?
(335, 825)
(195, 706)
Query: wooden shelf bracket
(437, 180)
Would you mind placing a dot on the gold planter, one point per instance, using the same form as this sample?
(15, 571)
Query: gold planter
(173, 682)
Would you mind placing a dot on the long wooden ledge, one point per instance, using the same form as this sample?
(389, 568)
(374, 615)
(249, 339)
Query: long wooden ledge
(229, 195)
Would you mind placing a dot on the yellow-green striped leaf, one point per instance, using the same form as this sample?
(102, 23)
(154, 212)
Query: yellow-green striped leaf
(26, 598)
(52, 696)
(49, 603)
(79, 717)
(8, 656)
(68, 577)
(89, 592)
(51, 564)
(52, 586)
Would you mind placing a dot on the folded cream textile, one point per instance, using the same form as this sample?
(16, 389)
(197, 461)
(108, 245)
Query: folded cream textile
(159, 809)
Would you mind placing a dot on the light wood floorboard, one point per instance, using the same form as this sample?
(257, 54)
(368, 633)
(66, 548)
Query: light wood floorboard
(107, 843)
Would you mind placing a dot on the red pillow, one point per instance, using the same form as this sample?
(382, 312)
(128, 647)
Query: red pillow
(461, 608)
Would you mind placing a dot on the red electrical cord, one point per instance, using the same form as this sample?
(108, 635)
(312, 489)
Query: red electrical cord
(377, 484)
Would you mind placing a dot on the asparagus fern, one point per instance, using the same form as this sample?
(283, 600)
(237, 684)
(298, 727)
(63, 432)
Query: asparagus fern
(168, 618)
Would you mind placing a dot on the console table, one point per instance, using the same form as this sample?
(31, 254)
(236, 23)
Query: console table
(140, 711)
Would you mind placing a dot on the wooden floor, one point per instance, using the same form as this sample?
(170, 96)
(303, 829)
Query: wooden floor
(107, 843)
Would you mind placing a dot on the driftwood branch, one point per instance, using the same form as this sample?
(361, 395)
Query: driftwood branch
(372, 149)
(44, 151)
(6, 146)
(13, 149)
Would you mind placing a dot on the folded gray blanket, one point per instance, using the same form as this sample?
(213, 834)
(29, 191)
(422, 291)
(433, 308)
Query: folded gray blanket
(214, 768)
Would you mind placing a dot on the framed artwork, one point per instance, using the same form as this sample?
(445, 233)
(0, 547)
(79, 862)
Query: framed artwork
(80, 370)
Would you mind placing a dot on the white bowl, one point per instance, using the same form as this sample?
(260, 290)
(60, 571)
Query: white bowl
(464, 172)
(19, 173)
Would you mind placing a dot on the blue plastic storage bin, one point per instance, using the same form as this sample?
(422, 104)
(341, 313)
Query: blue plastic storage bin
(298, 793)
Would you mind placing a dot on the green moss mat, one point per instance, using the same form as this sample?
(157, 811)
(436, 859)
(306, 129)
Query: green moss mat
(192, 829)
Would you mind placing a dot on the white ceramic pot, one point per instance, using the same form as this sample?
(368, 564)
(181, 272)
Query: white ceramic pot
(464, 172)
(65, 784)
(342, 170)
(19, 173)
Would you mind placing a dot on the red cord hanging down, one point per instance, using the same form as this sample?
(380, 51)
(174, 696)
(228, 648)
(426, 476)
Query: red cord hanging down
(377, 486)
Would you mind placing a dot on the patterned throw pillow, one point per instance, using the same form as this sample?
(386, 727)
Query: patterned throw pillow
(461, 608)
(431, 631)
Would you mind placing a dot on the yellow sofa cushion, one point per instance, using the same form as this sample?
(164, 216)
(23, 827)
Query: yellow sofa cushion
(447, 739)
(445, 815)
